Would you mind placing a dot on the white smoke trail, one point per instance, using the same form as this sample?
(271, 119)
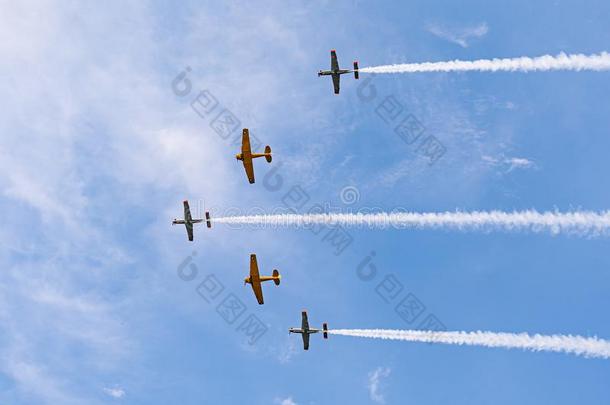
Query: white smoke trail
(578, 345)
(583, 223)
(523, 64)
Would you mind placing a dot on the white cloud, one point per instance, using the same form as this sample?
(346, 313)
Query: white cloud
(94, 132)
(519, 163)
(374, 384)
(285, 401)
(287, 351)
(26, 374)
(508, 164)
(115, 392)
(441, 115)
(460, 36)
(78, 107)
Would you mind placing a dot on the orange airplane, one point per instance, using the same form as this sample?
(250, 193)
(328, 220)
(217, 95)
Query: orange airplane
(246, 155)
(255, 279)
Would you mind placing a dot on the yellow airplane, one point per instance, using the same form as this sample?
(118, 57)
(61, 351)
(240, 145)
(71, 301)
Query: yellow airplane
(255, 279)
(246, 155)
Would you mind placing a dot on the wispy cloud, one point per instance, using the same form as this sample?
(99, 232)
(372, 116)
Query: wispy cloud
(460, 36)
(285, 401)
(508, 164)
(115, 392)
(374, 383)
(55, 327)
(78, 160)
(519, 163)
(287, 352)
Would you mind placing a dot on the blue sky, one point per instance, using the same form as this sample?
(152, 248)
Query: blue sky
(98, 153)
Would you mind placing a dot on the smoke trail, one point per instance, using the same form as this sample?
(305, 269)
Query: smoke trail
(583, 223)
(524, 64)
(578, 345)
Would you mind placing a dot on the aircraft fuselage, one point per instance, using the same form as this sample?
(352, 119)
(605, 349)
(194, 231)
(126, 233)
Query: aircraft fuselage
(303, 331)
(333, 72)
(186, 222)
(248, 280)
(240, 156)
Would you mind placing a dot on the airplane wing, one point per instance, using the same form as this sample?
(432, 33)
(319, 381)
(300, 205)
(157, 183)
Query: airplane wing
(246, 152)
(336, 80)
(189, 230)
(305, 341)
(245, 142)
(255, 280)
(304, 322)
(334, 64)
(187, 212)
(249, 169)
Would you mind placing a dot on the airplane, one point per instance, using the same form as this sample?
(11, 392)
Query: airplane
(305, 330)
(255, 279)
(188, 220)
(335, 72)
(246, 155)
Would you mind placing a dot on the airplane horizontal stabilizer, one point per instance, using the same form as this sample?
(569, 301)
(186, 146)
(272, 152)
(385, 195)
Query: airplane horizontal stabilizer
(277, 277)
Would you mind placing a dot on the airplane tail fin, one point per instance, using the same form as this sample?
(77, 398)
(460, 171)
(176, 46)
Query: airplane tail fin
(276, 277)
(356, 70)
(325, 330)
(268, 153)
(208, 221)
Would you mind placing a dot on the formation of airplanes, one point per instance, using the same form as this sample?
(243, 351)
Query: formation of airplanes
(246, 156)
